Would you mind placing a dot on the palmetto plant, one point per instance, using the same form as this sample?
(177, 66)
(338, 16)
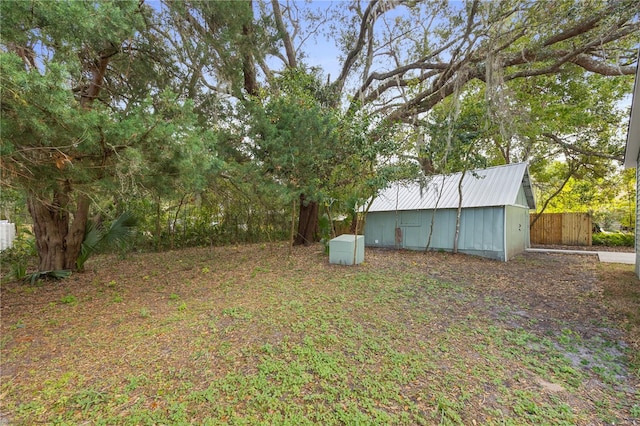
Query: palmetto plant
(97, 237)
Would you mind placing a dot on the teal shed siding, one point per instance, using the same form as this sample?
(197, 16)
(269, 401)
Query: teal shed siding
(481, 230)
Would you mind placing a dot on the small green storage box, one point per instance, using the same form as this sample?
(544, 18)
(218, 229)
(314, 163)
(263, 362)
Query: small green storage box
(341, 249)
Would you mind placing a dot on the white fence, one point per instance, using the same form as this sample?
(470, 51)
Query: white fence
(7, 234)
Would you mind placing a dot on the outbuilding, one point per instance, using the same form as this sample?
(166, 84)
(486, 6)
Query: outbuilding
(494, 220)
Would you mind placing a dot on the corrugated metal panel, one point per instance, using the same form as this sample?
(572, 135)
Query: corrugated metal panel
(480, 230)
(495, 186)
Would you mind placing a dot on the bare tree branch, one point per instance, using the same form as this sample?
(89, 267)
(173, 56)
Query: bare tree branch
(284, 34)
(573, 169)
(577, 149)
(365, 25)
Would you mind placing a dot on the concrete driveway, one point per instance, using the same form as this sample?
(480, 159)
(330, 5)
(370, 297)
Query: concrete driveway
(603, 256)
(617, 257)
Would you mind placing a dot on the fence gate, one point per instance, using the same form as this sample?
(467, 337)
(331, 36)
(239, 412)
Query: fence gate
(572, 229)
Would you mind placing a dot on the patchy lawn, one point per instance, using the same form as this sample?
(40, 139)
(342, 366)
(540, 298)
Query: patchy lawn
(248, 335)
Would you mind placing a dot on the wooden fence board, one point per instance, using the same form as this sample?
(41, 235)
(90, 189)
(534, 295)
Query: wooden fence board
(561, 228)
(576, 229)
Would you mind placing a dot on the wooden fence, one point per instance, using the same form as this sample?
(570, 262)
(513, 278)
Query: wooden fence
(573, 229)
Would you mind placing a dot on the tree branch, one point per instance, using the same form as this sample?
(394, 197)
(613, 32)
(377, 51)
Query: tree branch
(573, 148)
(572, 170)
(365, 25)
(284, 34)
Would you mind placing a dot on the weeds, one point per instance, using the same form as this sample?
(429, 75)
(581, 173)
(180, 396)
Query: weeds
(88, 398)
(282, 344)
(69, 300)
(237, 313)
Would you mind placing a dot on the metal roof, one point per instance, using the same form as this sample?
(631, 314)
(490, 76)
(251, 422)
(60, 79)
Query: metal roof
(494, 186)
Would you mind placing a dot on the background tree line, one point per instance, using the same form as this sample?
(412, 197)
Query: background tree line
(208, 122)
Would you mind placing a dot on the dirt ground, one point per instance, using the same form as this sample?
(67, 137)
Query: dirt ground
(569, 287)
(585, 248)
(545, 293)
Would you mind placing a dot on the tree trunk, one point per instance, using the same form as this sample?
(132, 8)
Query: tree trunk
(58, 236)
(353, 228)
(248, 62)
(59, 233)
(456, 237)
(307, 222)
(157, 236)
(293, 227)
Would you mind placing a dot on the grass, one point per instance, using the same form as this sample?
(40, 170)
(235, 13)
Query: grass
(262, 338)
(622, 292)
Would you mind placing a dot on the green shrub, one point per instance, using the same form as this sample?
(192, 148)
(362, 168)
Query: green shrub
(617, 239)
(20, 256)
(324, 226)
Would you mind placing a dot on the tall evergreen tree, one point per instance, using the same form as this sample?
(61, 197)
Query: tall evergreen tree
(85, 105)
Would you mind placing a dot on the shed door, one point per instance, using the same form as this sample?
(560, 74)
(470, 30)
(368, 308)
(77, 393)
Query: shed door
(409, 235)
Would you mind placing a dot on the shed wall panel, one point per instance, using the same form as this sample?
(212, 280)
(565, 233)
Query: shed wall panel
(410, 218)
(444, 226)
(517, 232)
(380, 229)
(481, 230)
(522, 198)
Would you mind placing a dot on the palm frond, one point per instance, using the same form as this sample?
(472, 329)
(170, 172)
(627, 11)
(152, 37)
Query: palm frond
(96, 238)
(92, 237)
(120, 230)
